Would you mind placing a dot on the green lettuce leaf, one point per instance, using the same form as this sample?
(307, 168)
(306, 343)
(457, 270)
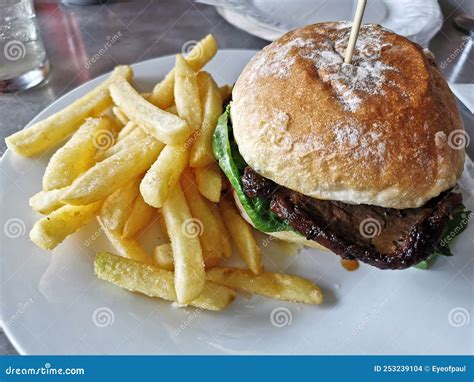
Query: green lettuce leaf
(233, 165)
(457, 224)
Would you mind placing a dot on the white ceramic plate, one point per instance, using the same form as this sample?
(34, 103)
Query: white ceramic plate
(418, 20)
(52, 302)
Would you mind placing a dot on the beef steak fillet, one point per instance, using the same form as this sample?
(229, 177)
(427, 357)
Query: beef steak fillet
(386, 238)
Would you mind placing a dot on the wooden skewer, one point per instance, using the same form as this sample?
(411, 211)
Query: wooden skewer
(355, 30)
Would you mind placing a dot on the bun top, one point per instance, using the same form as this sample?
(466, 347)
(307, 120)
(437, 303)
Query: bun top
(383, 130)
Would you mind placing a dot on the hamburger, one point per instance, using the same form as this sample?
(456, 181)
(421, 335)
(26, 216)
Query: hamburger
(356, 158)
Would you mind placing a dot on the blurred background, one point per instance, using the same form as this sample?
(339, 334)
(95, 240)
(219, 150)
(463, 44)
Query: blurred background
(70, 42)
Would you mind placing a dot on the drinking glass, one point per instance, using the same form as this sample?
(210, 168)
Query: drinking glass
(23, 61)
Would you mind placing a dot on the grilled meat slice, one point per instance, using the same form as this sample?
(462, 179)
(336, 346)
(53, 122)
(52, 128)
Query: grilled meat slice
(386, 238)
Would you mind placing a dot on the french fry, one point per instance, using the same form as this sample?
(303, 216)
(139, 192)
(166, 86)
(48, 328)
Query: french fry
(226, 244)
(201, 210)
(163, 256)
(186, 94)
(155, 282)
(136, 134)
(160, 179)
(48, 133)
(139, 217)
(166, 127)
(126, 248)
(117, 207)
(120, 115)
(274, 285)
(172, 109)
(226, 92)
(46, 202)
(77, 155)
(242, 236)
(199, 56)
(187, 253)
(112, 173)
(161, 223)
(127, 129)
(211, 100)
(209, 181)
(50, 231)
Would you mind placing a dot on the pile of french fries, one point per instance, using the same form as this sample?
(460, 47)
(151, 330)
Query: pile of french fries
(131, 159)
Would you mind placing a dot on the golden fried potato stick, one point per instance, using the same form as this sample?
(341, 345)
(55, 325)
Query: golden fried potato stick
(134, 135)
(127, 248)
(117, 207)
(274, 285)
(166, 127)
(211, 100)
(186, 94)
(242, 235)
(113, 172)
(226, 244)
(51, 131)
(50, 231)
(162, 176)
(122, 118)
(127, 129)
(77, 155)
(172, 109)
(162, 225)
(199, 56)
(200, 207)
(209, 181)
(155, 282)
(187, 253)
(46, 202)
(163, 256)
(139, 218)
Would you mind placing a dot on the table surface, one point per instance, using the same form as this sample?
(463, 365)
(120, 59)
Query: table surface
(145, 29)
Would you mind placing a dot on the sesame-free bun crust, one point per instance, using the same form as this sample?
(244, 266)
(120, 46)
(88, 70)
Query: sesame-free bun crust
(384, 130)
